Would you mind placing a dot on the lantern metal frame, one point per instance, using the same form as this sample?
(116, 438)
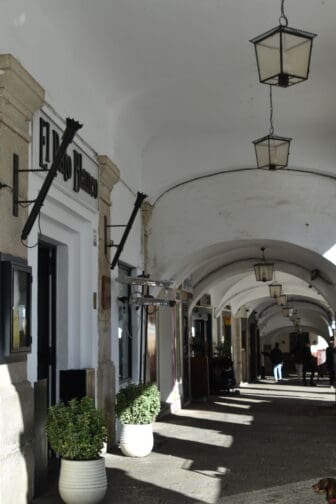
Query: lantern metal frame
(283, 78)
(264, 271)
(269, 140)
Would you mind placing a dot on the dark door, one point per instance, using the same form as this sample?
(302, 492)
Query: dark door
(186, 370)
(46, 331)
(45, 387)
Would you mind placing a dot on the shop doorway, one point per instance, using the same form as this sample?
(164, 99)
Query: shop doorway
(45, 386)
(46, 330)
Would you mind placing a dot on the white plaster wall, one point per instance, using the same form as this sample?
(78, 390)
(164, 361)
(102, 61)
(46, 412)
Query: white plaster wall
(70, 226)
(284, 206)
(52, 42)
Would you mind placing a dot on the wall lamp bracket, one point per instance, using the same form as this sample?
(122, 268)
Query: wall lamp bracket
(16, 185)
(108, 243)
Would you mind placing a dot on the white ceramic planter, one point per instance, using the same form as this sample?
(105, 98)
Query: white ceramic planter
(136, 440)
(82, 481)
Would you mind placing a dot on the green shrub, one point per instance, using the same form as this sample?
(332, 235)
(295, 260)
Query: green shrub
(76, 430)
(138, 404)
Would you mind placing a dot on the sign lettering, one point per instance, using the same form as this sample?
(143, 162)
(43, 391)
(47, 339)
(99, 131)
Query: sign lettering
(71, 166)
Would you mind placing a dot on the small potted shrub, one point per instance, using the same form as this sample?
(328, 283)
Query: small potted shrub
(137, 408)
(77, 432)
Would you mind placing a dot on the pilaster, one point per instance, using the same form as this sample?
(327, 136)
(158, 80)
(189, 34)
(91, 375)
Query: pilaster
(146, 212)
(20, 97)
(109, 175)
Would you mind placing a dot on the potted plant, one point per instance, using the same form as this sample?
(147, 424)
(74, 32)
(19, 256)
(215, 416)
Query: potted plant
(77, 432)
(137, 408)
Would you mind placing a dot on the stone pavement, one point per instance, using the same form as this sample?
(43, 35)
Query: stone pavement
(268, 444)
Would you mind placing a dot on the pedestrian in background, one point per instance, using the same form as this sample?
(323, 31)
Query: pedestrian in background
(309, 365)
(331, 361)
(277, 361)
(298, 357)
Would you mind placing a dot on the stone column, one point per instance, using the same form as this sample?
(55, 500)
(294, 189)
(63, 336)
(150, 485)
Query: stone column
(108, 176)
(146, 211)
(20, 97)
(236, 347)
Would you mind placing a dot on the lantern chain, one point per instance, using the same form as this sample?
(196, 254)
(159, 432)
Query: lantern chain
(283, 21)
(271, 112)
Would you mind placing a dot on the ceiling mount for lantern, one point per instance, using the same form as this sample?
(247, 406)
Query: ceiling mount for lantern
(283, 54)
(275, 290)
(264, 270)
(272, 151)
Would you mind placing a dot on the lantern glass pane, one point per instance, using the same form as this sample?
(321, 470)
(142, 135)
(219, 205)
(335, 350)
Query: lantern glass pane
(268, 57)
(296, 55)
(275, 290)
(282, 300)
(264, 272)
(272, 152)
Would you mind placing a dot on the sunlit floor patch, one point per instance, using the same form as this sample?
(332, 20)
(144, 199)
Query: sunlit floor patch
(271, 389)
(244, 399)
(216, 416)
(195, 485)
(194, 434)
(232, 405)
(294, 493)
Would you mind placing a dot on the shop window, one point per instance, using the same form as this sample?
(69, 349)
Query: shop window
(15, 308)
(125, 328)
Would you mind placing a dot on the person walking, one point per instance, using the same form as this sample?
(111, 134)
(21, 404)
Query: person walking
(309, 364)
(331, 362)
(277, 361)
(298, 357)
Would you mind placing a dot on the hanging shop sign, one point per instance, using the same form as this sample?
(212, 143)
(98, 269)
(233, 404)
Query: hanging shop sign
(77, 172)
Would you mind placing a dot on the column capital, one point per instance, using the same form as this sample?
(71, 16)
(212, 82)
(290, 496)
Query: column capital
(109, 172)
(20, 96)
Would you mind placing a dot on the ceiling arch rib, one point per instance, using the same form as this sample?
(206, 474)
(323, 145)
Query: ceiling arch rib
(230, 276)
(307, 318)
(279, 332)
(247, 290)
(304, 275)
(306, 307)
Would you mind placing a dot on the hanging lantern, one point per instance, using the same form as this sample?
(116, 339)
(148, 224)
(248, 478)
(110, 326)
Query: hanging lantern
(272, 151)
(285, 311)
(275, 290)
(264, 270)
(283, 54)
(282, 300)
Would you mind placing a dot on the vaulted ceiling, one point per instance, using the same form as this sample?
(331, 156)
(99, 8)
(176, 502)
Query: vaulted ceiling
(169, 89)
